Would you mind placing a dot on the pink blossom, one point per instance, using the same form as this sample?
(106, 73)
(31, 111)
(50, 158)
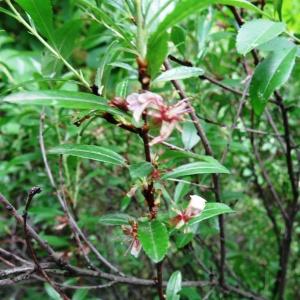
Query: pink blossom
(135, 245)
(165, 131)
(137, 103)
(167, 116)
(135, 248)
(194, 208)
(196, 205)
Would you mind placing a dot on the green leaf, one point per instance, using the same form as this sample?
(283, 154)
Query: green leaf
(107, 21)
(63, 99)
(139, 170)
(270, 74)
(157, 53)
(278, 7)
(66, 37)
(189, 135)
(197, 168)
(122, 88)
(178, 36)
(89, 151)
(80, 294)
(52, 293)
(7, 12)
(56, 241)
(179, 73)
(174, 286)
(115, 219)
(257, 32)
(154, 238)
(42, 15)
(189, 7)
(211, 210)
(181, 190)
(182, 239)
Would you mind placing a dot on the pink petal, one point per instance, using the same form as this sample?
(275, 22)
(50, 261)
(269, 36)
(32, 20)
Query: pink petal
(136, 248)
(165, 131)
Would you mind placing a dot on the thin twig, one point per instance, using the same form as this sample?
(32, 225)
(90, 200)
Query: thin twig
(76, 271)
(34, 191)
(237, 116)
(73, 225)
(215, 178)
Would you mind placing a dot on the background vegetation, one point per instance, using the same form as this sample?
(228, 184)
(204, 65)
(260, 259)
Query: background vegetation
(243, 85)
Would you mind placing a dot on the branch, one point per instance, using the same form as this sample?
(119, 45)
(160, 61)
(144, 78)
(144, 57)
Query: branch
(80, 272)
(72, 223)
(34, 191)
(215, 178)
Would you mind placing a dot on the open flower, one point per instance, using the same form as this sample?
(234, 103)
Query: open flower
(137, 103)
(196, 205)
(167, 116)
(135, 245)
(194, 208)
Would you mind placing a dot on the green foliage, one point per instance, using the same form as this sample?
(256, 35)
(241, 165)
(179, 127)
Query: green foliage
(271, 73)
(189, 136)
(248, 39)
(66, 69)
(154, 238)
(64, 99)
(179, 73)
(197, 168)
(42, 15)
(140, 170)
(114, 219)
(90, 152)
(174, 286)
(211, 210)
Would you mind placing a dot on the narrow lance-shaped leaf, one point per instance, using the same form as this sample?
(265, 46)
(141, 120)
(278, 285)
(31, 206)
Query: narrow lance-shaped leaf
(106, 20)
(188, 7)
(115, 219)
(90, 152)
(211, 210)
(63, 99)
(196, 168)
(270, 74)
(156, 54)
(257, 32)
(139, 170)
(174, 286)
(278, 8)
(179, 73)
(65, 38)
(178, 36)
(189, 135)
(154, 238)
(42, 15)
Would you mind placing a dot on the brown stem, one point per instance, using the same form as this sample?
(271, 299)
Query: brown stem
(80, 272)
(160, 280)
(149, 191)
(215, 178)
(289, 216)
(40, 270)
(72, 223)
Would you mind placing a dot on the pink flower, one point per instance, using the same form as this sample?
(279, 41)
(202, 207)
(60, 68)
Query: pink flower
(135, 246)
(195, 208)
(167, 116)
(137, 103)
(196, 205)
(165, 131)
